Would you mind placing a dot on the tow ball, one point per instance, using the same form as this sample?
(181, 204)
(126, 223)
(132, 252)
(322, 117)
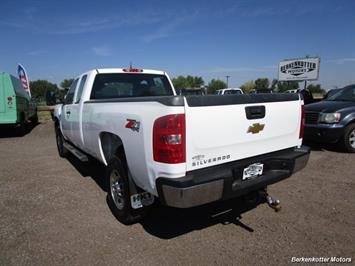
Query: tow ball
(272, 202)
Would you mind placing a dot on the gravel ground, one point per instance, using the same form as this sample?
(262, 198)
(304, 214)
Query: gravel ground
(53, 211)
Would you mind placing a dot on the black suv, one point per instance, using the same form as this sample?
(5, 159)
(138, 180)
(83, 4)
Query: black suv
(333, 119)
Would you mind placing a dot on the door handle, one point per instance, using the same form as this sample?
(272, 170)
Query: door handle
(255, 112)
(68, 113)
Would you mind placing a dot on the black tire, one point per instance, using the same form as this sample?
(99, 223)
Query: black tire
(62, 151)
(21, 128)
(118, 193)
(349, 138)
(34, 119)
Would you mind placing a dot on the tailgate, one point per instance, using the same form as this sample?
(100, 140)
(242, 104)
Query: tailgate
(219, 130)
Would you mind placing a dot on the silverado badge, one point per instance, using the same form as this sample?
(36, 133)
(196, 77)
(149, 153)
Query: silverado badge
(256, 128)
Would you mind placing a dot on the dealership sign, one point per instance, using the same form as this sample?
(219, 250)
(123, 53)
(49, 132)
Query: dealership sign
(299, 69)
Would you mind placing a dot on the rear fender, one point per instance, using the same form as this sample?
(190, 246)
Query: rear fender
(110, 144)
(57, 113)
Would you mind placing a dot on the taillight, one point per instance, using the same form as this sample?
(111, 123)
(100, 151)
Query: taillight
(169, 141)
(302, 122)
(133, 70)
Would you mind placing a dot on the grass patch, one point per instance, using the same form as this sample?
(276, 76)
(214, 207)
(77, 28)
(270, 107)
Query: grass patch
(44, 116)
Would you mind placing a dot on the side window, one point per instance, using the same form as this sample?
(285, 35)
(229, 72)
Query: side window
(80, 89)
(70, 95)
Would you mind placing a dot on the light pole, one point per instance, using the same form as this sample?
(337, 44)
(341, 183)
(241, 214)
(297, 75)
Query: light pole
(227, 77)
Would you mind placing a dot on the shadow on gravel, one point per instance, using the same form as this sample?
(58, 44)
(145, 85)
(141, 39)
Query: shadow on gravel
(324, 147)
(92, 168)
(166, 222)
(13, 132)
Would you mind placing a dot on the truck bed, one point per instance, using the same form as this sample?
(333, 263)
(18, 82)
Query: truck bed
(216, 129)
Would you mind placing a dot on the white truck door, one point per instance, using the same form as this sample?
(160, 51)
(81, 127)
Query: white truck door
(76, 117)
(67, 108)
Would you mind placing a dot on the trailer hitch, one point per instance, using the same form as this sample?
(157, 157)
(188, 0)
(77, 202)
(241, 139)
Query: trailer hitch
(272, 202)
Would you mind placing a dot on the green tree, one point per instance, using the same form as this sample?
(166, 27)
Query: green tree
(315, 88)
(182, 82)
(216, 84)
(283, 86)
(190, 81)
(262, 83)
(247, 87)
(274, 84)
(66, 83)
(40, 87)
(179, 82)
(198, 82)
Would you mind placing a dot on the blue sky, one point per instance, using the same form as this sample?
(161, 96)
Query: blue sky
(243, 39)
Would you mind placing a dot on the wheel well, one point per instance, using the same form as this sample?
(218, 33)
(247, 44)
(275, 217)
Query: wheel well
(351, 123)
(112, 145)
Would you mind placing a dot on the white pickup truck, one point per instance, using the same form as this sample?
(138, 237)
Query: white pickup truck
(185, 151)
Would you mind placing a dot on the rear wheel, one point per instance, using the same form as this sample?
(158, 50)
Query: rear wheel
(21, 128)
(63, 152)
(34, 119)
(349, 138)
(118, 193)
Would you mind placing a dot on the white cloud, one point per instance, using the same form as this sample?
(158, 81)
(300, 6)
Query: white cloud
(84, 25)
(102, 50)
(243, 69)
(30, 12)
(37, 52)
(341, 61)
(230, 10)
(170, 25)
(162, 32)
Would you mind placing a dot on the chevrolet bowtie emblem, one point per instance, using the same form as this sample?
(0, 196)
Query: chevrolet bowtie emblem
(256, 128)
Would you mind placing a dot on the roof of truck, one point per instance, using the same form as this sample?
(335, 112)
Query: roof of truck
(129, 70)
(235, 89)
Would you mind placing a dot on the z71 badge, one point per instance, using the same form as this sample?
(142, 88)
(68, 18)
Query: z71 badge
(133, 124)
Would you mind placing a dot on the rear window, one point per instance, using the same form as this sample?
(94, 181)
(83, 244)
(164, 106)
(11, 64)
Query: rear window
(232, 92)
(121, 85)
